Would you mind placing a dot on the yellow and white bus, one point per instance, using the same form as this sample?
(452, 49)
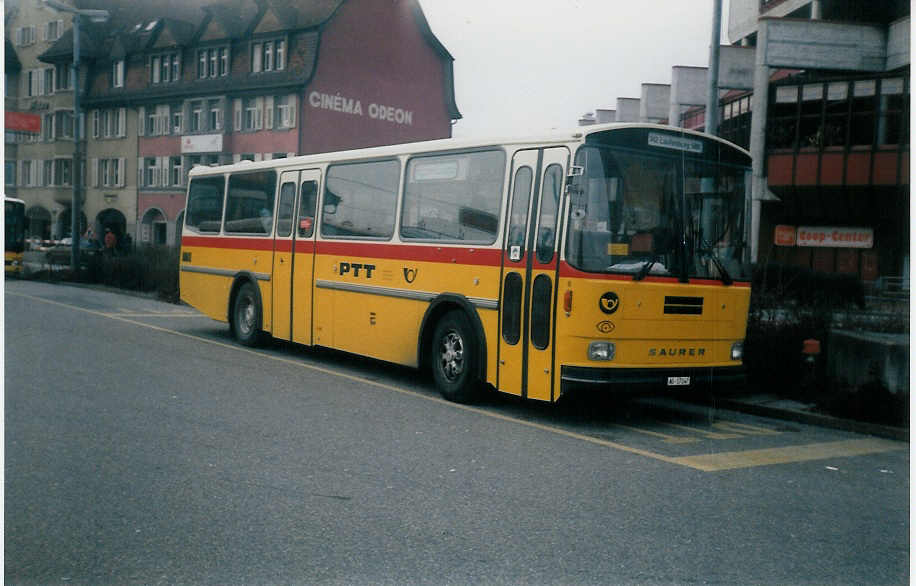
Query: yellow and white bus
(611, 257)
(14, 235)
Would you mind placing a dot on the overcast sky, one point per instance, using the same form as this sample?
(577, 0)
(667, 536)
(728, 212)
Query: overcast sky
(523, 66)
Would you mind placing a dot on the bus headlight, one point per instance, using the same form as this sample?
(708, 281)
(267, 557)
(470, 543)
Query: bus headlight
(737, 352)
(601, 351)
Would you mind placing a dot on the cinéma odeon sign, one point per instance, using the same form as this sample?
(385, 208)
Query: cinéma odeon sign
(355, 107)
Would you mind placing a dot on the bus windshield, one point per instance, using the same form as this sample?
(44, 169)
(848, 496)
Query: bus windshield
(14, 224)
(668, 211)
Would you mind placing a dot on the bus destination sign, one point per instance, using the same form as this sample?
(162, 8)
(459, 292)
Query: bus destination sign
(678, 143)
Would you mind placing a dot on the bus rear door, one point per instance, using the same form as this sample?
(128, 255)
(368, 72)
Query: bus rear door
(530, 262)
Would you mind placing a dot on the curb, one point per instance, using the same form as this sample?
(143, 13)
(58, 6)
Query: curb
(875, 429)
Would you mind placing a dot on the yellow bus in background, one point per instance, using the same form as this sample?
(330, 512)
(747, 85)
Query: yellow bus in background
(14, 234)
(612, 258)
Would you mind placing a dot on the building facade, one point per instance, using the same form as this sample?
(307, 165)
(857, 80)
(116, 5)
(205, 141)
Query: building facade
(819, 92)
(239, 79)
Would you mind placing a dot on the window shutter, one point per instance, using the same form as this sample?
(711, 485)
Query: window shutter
(94, 172)
(238, 114)
(122, 121)
(122, 172)
(95, 124)
(259, 113)
(141, 122)
(45, 31)
(269, 112)
(139, 171)
(293, 106)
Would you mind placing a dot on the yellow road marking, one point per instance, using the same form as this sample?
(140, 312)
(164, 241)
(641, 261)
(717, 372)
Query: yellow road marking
(705, 462)
(789, 454)
(704, 433)
(163, 314)
(744, 428)
(668, 439)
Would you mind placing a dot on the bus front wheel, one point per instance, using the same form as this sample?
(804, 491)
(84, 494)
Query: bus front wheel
(454, 358)
(246, 316)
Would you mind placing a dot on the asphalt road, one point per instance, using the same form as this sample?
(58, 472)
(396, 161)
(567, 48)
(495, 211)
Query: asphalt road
(143, 446)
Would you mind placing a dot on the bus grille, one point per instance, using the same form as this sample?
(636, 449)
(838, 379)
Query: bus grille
(684, 305)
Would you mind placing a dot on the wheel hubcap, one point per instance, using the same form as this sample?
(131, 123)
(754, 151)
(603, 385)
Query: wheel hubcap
(246, 316)
(451, 356)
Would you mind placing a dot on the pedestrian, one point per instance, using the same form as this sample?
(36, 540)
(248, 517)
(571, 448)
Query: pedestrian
(110, 241)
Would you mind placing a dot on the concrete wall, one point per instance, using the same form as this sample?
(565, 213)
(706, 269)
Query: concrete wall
(898, 44)
(805, 44)
(627, 110)
(857, 358)
(655, 102)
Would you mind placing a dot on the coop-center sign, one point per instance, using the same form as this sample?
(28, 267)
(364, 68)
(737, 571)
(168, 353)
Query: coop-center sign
(834, 237)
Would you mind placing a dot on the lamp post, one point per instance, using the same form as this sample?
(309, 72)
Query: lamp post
(76, 174)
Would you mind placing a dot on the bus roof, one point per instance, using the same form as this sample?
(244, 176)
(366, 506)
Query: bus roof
(13, 199)
(556, 138)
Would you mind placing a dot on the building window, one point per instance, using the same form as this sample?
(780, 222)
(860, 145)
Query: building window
(63, 124)
(53, 30)
(151, 172)
(176, 173)
(197, 113)
(176, 120)
(252, 119)
(268, 56)
(25, 36)
(9, 172)
(63, 76)
(117, 73)
(165, 68)
(212, 62)
(111, 172)
(215, 115)
(285, 111)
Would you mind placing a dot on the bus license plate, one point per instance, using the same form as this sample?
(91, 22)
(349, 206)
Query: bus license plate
(678, 381)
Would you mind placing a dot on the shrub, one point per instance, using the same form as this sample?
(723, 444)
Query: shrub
(147, 268)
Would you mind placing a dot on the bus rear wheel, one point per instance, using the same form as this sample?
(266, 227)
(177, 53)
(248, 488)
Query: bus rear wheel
(246, 316)
(454, 358)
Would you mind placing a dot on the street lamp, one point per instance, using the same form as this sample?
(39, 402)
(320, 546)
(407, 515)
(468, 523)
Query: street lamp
(76, 175)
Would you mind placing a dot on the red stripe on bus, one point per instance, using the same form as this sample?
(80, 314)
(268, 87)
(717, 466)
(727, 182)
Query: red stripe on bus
(254, 243)
(568, 271)
(442, 254)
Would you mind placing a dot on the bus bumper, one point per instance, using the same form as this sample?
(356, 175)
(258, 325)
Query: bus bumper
(628, 380)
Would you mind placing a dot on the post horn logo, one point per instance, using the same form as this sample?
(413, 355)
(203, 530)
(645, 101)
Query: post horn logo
(609, 302)
(410, 275)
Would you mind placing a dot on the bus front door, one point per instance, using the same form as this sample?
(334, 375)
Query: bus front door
(530, 261)
(294, 253)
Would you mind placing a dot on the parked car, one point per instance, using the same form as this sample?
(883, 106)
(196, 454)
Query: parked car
(60, 253)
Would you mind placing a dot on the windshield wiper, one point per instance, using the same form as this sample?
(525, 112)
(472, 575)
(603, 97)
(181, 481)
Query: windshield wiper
(726, 278)
(641, 274)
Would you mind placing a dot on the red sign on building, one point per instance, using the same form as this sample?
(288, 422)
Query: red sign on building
(22, 122)
(784, 235)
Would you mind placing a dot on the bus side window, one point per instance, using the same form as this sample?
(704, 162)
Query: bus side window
(307, 209)
(547, 223)
(250, 203)
(518, 217)
(285, 210)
